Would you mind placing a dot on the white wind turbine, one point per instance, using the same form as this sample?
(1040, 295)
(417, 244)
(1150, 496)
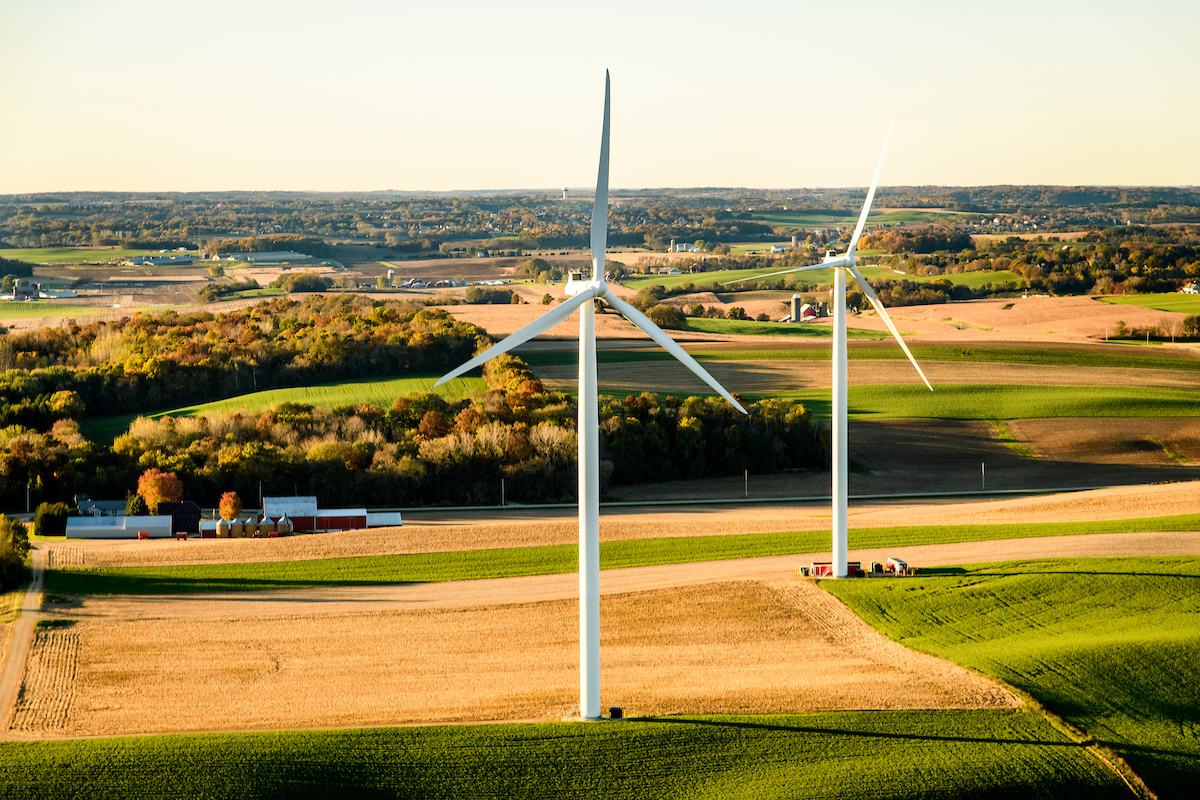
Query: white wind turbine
(838, 411)
(584, 293)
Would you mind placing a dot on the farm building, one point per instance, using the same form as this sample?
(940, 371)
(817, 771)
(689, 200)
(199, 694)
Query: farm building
(270, 255)
(156, 527)
(101, 508)
(803, 312)
(307, 518)
(26, 289)
(824, 569)
(185, 516)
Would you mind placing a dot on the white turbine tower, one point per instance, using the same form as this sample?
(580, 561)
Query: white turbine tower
(838, 411)
(584, 293)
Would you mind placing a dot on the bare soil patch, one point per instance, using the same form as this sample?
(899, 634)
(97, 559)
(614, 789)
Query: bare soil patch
(715, 648)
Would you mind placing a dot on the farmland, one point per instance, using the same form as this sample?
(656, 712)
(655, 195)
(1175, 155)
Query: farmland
(381, 392)
(945, 754)
(72, 255)
(850, 218)
(43, 309)
(1182, 303)
(550, 559)
(818, 277)
(1109, 645)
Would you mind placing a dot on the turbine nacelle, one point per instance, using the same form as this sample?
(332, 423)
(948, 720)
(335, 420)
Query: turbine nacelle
(576, 284)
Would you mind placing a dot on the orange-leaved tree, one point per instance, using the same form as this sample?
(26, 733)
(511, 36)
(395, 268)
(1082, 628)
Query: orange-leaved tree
(230, 506)
(156, 486)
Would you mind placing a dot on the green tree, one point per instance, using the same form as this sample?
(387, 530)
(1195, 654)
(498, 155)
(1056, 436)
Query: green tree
(665, 315)
(135, 506)
(216, 270)
(50, 519)
(14, 548)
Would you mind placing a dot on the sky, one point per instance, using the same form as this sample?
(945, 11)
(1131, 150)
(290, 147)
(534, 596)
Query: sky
(364, 95)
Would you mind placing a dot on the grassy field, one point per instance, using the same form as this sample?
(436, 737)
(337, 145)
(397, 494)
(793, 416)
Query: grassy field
(1182, 303)
(975, 355)
(549, 560)
(71, 255)
(380, 392)
(45, 308)
(820, 276)
(1110, 645)
(752, 328)
(937, 754)
(988, 402)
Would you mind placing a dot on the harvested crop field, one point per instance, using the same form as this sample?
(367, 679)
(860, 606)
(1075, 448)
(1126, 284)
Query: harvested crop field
(772, 377)
(436, 531)
(714, 648)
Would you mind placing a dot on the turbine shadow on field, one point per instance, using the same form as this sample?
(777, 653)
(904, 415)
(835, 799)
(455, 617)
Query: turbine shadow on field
(864, 734)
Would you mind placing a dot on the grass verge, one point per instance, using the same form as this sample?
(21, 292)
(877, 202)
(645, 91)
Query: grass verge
(1111, 645)
(1012, 442)
(549, 560)
(882, 755)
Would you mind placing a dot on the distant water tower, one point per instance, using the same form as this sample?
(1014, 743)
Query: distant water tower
(564, 193)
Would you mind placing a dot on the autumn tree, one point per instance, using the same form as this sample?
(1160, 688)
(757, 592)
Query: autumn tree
(230, 506)
(156, 486)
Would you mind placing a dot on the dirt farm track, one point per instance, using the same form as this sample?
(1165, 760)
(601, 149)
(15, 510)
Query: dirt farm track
(740, 636)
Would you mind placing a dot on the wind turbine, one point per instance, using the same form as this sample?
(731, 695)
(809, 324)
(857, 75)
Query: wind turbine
(583, 293)
(841, 451)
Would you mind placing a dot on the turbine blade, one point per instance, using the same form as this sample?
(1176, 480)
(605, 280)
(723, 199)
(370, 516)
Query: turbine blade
(874, 298)
(866, 209)
(781, 272)
(667, 343)
(538, 326)
(600, 207)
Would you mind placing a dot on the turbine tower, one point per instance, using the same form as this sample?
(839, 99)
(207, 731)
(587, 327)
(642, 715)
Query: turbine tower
(838, 411)
(583, 294)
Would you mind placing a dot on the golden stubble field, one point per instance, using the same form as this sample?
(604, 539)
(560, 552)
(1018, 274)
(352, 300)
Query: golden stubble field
(722, 637)
(741, 647)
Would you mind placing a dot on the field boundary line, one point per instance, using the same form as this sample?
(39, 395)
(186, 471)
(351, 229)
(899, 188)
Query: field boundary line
(13, 674)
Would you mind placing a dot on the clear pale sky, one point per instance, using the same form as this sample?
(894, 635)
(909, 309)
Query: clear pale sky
(472, 94)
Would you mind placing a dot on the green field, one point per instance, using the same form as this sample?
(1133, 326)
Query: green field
(988, 402)
(819, 277)
(974, 355)
(752, 328)
(46, 308)
(1110, 645)
(551, 559)
(874, 755)
(1174, 301)
(379, 392)
(71, 255)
